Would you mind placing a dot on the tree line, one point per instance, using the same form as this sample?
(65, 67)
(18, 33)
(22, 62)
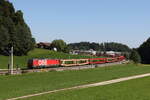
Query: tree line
(106, 46)
(62, 46)
(138, 55)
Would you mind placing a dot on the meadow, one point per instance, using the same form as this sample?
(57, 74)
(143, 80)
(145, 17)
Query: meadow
(137, 89)
(21, 61)
(19, 85)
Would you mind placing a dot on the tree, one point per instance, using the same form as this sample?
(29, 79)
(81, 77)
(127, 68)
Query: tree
(14, 31)
(112, 46)
(60, 45)
(126, 55)
(144, 51)
(135, 57)
(107, 46)
(4, 36)
(94, 46)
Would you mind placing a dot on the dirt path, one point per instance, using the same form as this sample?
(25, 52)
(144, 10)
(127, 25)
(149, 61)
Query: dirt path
(85, 86)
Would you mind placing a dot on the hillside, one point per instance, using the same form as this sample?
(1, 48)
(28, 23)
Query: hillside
(21, 61)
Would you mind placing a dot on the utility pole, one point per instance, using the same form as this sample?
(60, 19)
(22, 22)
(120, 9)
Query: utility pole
(11, 61)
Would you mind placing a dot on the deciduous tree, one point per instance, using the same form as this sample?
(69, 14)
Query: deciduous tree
(14, 31)
(144, 51)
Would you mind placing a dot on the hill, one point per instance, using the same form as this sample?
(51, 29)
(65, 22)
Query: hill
(21, 61)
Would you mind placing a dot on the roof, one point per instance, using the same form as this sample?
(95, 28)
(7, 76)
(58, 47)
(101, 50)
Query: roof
(44, 43)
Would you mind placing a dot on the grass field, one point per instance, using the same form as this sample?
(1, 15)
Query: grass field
(137, 89)
(21, 62)
(19, 85)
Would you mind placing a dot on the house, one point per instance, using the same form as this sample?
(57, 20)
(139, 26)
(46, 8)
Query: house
(43, 45)
(108, 53)
(83, 52)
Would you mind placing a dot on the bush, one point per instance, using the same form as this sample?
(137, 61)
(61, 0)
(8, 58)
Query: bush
(135, 57)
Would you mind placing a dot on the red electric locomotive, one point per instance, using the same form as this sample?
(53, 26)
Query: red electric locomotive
(39, 63)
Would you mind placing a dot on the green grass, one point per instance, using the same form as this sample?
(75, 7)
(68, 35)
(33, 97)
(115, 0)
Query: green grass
(21, 62)
(137, 89)
(19, 85)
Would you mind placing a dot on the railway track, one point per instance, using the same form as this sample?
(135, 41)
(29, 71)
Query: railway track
(6, 72)
(20, 71)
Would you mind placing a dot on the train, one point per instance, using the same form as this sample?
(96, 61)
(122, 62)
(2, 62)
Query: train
(46, 63)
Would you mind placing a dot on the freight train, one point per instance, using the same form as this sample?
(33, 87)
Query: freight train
(45, 63)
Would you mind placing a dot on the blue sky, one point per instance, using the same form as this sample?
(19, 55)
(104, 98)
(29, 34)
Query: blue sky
(124, 21)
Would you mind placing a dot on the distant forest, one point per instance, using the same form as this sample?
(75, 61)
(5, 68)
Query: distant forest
(107, 46)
